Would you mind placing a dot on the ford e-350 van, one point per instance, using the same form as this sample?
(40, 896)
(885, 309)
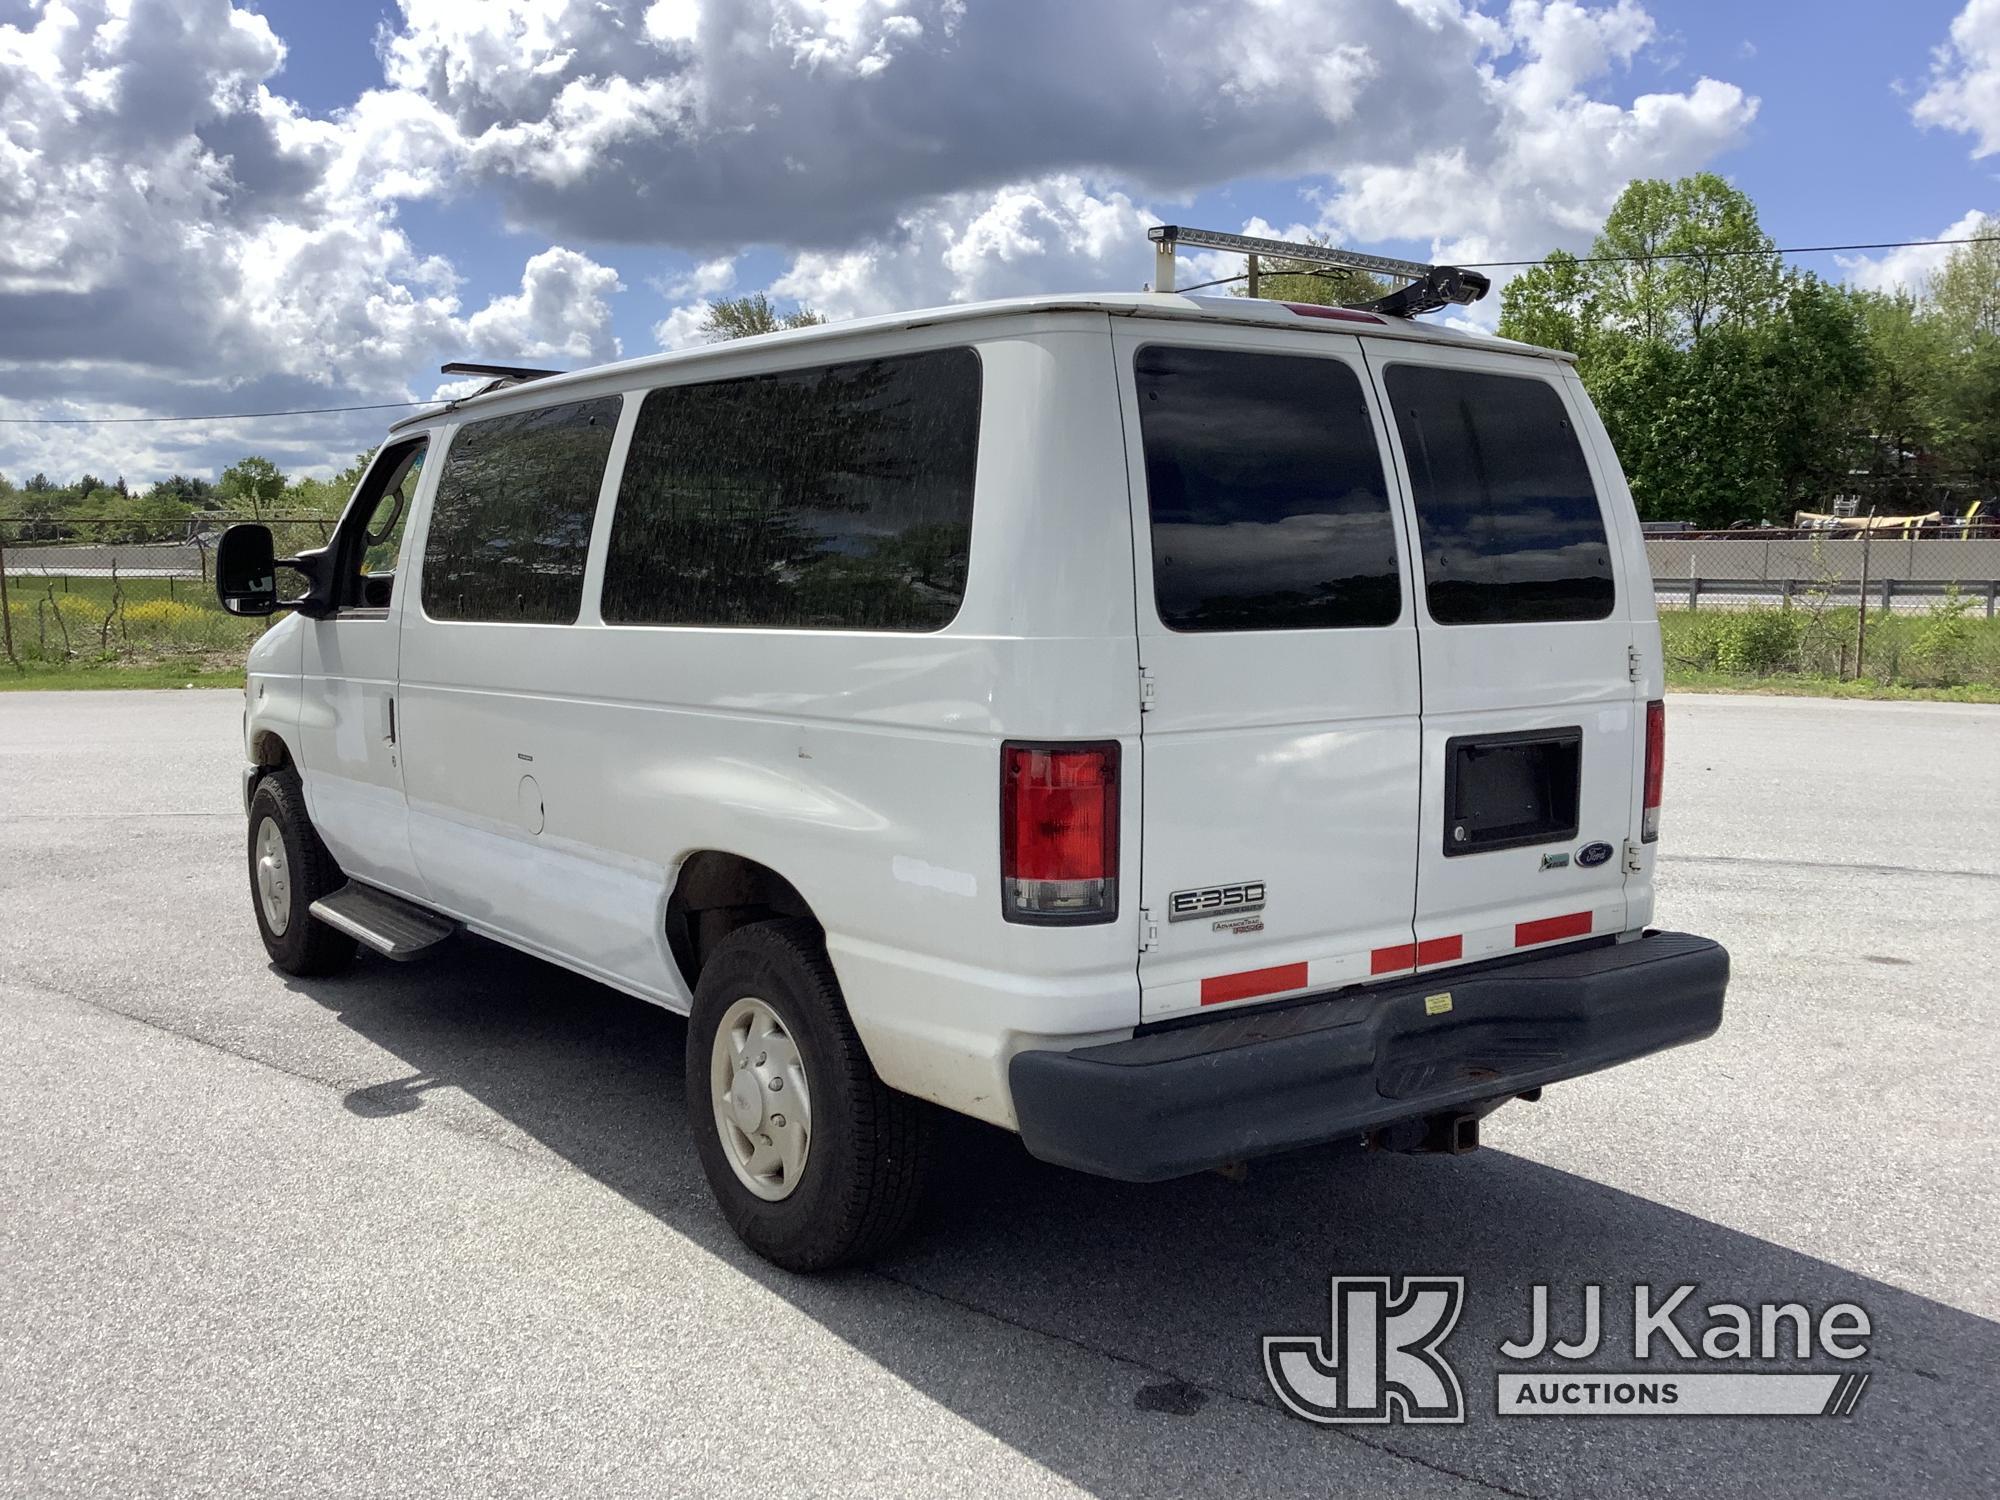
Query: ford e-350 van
(1174, 729)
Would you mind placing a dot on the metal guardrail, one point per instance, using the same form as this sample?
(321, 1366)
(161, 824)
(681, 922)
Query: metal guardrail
(1784, 593)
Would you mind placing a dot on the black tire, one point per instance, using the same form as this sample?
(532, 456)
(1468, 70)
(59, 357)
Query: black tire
(870, 1147)
(307, 946)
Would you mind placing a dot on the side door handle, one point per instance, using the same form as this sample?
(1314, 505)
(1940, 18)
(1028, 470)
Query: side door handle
(389, 718)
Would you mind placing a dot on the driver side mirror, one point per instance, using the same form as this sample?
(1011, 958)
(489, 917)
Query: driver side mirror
(246, 574)
(246, 570)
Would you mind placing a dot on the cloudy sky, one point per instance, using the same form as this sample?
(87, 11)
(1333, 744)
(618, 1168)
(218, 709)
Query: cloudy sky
(211, 206)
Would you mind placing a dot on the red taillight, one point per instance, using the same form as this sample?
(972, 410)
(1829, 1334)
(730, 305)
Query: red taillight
(1656, 765)
(1059, 832)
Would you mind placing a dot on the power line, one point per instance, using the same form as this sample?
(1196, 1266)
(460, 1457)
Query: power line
(1474, 265)
(1508, 265)
(1587, 260)
(225, 416)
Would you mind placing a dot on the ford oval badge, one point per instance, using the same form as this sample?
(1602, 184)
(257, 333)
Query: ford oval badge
(1593, 854)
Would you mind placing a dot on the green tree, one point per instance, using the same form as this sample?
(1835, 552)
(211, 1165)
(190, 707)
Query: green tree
(1898, 414)
(255, 481)
(1818, 369)
(740, 317)
(1965, 291)
(1729, 384)
(1677, 259)
(1553, 305)
(196, 494)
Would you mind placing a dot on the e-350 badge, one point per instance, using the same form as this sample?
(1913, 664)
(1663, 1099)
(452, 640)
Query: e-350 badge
(1216, 901)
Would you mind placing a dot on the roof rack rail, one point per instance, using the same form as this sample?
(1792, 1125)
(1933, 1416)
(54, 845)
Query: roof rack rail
(1429, 287)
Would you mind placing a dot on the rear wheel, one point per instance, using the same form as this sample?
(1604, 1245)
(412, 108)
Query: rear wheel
(814, 1161)
(289, 870)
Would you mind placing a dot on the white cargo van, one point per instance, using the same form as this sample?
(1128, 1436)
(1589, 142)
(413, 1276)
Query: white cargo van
(1175, 729)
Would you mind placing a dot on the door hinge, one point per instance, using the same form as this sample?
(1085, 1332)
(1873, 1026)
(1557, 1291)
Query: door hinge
(1632, 663)
(1149, 931)
(1635, 858)
(1149, 691)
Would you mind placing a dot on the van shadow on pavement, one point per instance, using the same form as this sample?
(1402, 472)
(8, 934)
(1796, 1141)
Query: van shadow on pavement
(1181, 1280)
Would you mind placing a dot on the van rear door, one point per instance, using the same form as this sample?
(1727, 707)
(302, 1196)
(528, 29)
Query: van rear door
(1278, 640)
(1532, 719)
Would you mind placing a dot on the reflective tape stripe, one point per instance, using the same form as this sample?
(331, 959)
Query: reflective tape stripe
(1548, 929)
(1441, 950)
(1389, 960)
(1225, 987)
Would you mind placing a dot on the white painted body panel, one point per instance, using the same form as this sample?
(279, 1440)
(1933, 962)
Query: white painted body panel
(864, 767)
(1497, 679)
(346, 747)
(1282, 756)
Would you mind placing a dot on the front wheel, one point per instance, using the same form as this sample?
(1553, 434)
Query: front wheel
(814, 1161)
(289, 870)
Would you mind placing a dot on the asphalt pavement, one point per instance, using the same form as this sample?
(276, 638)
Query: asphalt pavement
(438, 1228)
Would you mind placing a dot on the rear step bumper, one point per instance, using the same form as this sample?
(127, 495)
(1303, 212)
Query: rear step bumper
(1178, 1101)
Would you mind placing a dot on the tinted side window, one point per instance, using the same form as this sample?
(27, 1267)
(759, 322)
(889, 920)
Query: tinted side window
(1265, 488)
(511, 522)
(833, 498)
(1506, 512)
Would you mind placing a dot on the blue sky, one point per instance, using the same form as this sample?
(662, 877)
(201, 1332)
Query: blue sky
(217, 204)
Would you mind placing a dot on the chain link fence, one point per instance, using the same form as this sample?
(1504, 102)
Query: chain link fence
(1915, 607)
(88, 591)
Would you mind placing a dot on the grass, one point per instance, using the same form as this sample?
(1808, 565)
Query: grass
(1793, 685)
(1948, 652)
(195, 672)
(171, 633)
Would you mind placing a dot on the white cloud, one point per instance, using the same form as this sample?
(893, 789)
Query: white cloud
(1964, 92)
(1055, 234)
(1538, 163)
(176, 237)
(176, 234)
(560, 312)
(709, 279)
(822, 124)
(1907, 268)
(681, 328)
(1554, 158)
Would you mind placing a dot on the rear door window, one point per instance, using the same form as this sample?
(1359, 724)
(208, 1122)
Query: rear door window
(1265, 491)
(511, 522)
(1507, 516)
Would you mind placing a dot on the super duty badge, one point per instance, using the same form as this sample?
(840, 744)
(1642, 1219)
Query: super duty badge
(1216, 901)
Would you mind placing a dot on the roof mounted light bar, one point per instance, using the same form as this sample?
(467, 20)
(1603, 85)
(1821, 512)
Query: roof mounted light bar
(499, 377)
(1430, 287)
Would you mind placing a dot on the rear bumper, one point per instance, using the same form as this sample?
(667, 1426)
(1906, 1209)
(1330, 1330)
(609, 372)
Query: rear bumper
(1250, 1083)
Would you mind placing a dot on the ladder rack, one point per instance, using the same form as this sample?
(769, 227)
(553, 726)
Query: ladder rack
(1429, 287)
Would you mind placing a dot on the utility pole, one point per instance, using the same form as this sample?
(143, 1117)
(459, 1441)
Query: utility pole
(1254, 280)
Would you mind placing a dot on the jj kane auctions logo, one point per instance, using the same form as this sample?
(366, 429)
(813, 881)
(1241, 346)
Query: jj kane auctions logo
(1383, 1360)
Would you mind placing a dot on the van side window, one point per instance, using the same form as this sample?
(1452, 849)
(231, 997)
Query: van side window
(511, 522)
(1264, 484)
(1506, 513)
(831, 498)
